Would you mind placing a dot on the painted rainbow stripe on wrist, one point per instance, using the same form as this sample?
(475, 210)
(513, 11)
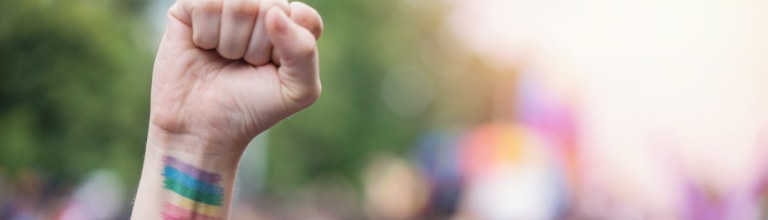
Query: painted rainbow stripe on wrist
(195, 192)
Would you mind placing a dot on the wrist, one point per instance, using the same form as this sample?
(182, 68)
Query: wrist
(196, 146)
(185, 175)
(202, 153)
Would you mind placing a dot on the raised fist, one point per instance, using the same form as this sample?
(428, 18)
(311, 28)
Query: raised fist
(227, 70)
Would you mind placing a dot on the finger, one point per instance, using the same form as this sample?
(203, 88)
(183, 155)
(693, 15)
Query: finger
(237, 21)
(307, 17)
(205, 16)
(177, 38)
(179, 29)
(299, 70)
(259, 48)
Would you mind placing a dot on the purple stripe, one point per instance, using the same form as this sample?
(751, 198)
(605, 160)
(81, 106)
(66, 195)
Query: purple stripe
(199, 174)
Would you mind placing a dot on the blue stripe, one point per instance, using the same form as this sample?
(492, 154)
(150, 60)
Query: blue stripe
(190, 182)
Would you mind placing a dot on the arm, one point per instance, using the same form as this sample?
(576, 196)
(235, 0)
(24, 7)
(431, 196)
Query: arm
(226, 70)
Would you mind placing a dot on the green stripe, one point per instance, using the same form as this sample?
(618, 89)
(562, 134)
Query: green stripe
(203, 197)
(190, 181)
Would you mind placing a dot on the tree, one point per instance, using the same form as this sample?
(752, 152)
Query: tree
(74, 88)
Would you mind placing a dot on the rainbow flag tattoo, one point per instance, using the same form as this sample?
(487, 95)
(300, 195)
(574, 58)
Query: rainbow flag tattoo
(195, 193)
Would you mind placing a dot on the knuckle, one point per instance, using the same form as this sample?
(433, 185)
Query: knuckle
(230, 51)
(202, 41)
(306, 50)
(244, 7)
(308, 96)
(314, 94)
(256, 58)
(209, 6)
(304, 95)
(302, 51)
(317, 92)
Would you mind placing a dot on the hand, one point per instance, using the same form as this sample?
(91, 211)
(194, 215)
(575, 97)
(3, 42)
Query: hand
(226, 70)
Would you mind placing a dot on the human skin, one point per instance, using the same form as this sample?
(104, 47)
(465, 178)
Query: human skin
(226, 70)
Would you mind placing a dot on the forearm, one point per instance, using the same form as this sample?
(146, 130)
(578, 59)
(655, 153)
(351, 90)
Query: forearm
(180, 180)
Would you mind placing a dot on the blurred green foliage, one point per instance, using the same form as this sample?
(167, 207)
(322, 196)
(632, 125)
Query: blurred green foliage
(75, 75)
(74, 88)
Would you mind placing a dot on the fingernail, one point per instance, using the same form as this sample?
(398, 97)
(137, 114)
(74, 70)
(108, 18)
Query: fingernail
(282, 21)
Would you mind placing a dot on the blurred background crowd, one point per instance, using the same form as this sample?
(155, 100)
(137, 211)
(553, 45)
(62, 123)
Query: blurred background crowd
(432, 109)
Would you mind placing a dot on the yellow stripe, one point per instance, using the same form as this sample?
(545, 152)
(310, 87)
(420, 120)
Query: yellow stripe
(200, 208)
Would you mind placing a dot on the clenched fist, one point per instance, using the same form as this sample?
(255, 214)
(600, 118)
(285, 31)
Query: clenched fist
(227, 70)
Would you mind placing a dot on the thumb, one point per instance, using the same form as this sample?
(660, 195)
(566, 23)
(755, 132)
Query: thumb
(298, 69)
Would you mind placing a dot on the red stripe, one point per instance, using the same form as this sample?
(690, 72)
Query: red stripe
(172, 212)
